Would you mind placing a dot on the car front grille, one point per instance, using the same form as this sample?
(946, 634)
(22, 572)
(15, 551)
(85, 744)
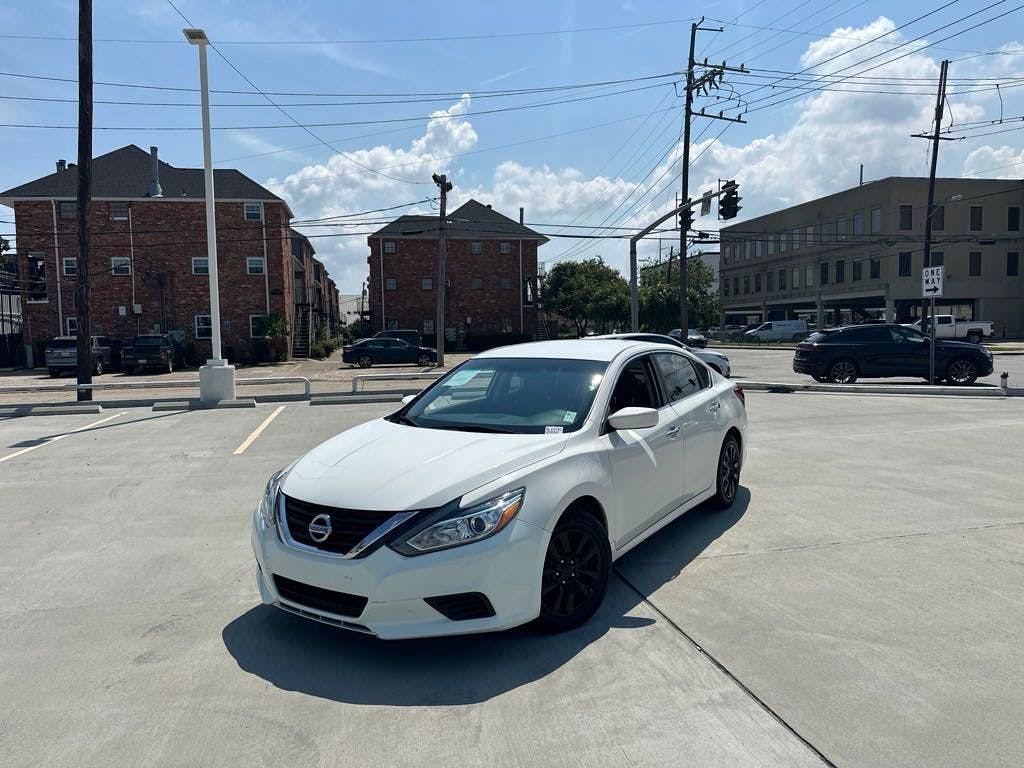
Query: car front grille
(318, 598)
(348, 526)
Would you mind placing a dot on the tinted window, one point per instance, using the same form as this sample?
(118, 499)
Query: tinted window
(678, 375)
(865, 335)
(634, 389)
(821, 337)
(905, 335)
(148, 341)
(63, 344)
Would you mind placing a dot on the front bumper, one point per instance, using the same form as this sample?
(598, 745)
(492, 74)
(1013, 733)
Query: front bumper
(506, 568)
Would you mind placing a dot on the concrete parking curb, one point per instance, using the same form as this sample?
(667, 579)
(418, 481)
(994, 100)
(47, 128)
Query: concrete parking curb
(51, 410)
(382, 397)
(871, 389)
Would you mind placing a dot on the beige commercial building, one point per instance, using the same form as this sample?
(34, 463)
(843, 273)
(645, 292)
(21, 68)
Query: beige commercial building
(859, 254)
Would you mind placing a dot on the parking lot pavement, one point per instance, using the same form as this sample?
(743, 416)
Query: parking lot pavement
(861, 599)
(776, 365)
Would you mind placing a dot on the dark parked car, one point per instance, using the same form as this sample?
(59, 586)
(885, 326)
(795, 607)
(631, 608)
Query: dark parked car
(153, 351)
(367, 352)
(62, 355)
(842, 355)
(694, 338)
(409, 336)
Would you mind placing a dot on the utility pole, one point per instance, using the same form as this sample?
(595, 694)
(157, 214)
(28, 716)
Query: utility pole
(84, 169)
(442, 255)
(940, 101)
(711, 78)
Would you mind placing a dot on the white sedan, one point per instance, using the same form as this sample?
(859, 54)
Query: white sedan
(502, 493)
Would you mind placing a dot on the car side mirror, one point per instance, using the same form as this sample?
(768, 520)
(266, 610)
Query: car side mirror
(408, 399)
(633, 418)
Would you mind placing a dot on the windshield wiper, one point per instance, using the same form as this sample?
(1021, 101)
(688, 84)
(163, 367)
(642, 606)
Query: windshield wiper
(477, 428)
(402, 419)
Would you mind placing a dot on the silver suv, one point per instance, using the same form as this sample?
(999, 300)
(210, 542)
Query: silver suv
(62, 355)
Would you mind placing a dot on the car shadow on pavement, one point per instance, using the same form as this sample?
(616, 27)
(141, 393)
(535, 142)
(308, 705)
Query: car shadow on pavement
(296, 654)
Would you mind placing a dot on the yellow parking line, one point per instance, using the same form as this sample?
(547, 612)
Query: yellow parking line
(55, 438)
(258, 431)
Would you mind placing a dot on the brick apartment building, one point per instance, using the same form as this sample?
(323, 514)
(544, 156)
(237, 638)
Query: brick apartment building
(491, 273)
(315, 294)
(148, 254)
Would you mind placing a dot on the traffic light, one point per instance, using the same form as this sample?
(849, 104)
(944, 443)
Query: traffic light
(686, 218)
(729, 202)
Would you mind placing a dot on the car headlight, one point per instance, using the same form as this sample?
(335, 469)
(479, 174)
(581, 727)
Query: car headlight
(268, 504)
(452, 526)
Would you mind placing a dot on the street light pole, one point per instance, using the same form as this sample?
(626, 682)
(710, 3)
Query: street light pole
(216, 378)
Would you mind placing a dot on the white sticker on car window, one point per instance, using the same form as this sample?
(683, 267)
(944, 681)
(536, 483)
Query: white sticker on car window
(570, 417)
(461, 377)
(552, 430)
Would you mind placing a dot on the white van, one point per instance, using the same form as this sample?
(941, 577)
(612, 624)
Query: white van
(778, 330)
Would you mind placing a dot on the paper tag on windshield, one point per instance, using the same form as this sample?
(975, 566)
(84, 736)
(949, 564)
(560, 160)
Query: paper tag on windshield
(570, 417)
(552, 430)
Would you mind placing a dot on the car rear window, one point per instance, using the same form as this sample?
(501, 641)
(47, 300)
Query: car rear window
(148, 341)
(819, 337)
(63, 344)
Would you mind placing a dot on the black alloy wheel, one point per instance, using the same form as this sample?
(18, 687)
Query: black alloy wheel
(97, 368)
(962, 372)
(842, 372)
(54, 373)
(575, 573)
(365, 361)
(727, 480)
(424, 361)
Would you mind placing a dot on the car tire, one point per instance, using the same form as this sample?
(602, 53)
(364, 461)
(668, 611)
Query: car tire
(365, 361)
(54, 373)
(97, 368)
(727, 477)
(974, 338)
(962, 372)
(424, 360)
(842, 371)
(583, 541)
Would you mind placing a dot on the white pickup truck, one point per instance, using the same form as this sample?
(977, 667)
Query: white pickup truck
(948, 327)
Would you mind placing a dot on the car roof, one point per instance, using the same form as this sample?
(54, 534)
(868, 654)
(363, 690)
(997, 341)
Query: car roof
(593, 348)
(633, 337)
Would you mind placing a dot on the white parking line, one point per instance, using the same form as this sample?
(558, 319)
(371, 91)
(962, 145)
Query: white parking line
(55, 438)
(258, 431)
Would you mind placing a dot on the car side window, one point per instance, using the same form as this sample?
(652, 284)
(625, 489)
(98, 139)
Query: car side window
(945, 320)
(634, 388)
(679, 376)
(905, 336)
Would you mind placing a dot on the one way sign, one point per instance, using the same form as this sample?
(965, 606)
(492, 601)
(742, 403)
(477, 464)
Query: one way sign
(931, 282)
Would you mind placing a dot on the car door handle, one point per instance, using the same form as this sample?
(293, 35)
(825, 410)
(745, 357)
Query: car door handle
(672, 431)
(713, 406)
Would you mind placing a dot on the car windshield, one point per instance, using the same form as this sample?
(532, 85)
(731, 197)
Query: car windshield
(148, 341)
(516, 395)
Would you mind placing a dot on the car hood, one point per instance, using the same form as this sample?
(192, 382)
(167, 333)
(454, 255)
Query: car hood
(384, 466)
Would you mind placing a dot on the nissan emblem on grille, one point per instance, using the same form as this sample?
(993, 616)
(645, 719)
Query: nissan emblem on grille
(320, 528)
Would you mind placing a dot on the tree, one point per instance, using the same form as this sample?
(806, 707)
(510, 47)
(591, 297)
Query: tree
(659, 297)
(588, 293)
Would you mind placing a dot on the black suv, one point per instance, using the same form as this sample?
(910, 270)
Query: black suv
(841, 355)
(154, 351)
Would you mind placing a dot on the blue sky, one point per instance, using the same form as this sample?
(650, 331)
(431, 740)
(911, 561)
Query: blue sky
(621, 152)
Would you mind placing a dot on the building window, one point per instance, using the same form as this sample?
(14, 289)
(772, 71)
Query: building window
(757, 283)
(71, 326)
(506, 326)
(840, 271)
(506, 249)
(808, 276)
(253, 212)
(392, 325)
(939, 218)
(782, 279)
(204, 327)
(37, 277)
(858, 269)
(746, 283)
(747, 248)
(725, 287)
(876, 267)
(200, 265)
(70, 266)
(428, 326)
(390, 284)
(858, 224)
(974, 264)
(258, 326)
(977, 220)
(389, 246)
(937, 260)
(809, 235)
(797, 237)
(906, 218)
(783, 241)
(758, 249)
(478, 283)
(771, 244)
(1012, 264)
(427, 283)
(476, 249)
(528, 298)
(823, 273)
(769, 282)
(905, 264)
(828, 232)
(254, 265)
(121, 265)
(1013, 218)
(119, 211)
(876, 221)
(796, 277)
(506, 283)
(841, 228)
(67, 210)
